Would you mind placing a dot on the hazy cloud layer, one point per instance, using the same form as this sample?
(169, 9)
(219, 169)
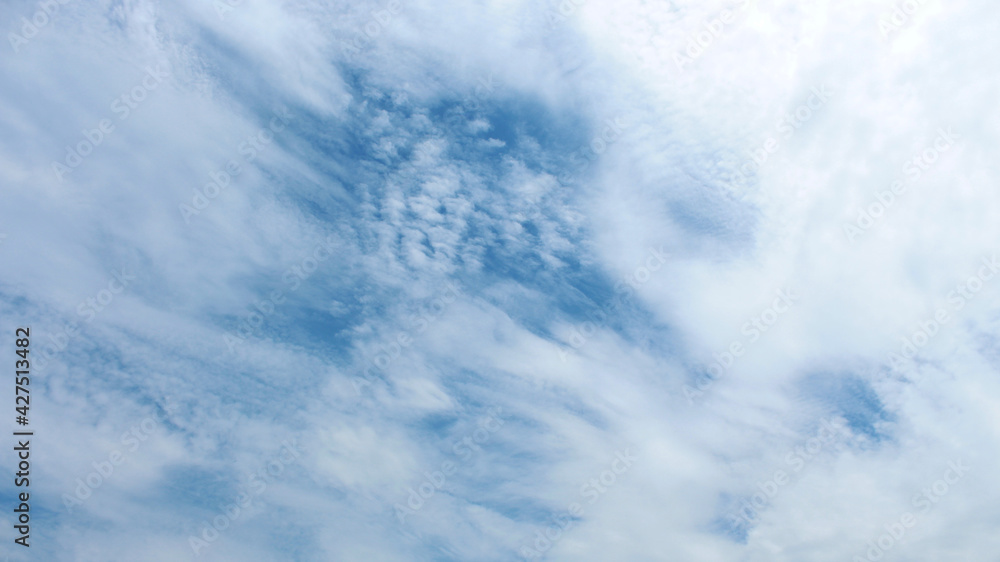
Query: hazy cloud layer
(409, 280)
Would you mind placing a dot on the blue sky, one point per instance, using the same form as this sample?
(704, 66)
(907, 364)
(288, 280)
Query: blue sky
(503, 280)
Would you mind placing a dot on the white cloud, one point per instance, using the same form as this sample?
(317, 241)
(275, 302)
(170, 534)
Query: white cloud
(467, 143)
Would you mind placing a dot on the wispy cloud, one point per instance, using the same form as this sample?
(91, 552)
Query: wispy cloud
(681, 233)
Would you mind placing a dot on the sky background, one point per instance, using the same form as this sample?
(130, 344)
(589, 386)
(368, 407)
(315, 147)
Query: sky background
(504, 280)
